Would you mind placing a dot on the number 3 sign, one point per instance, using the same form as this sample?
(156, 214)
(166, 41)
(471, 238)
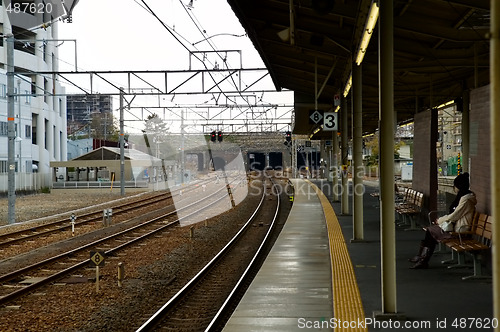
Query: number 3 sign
(330, 121)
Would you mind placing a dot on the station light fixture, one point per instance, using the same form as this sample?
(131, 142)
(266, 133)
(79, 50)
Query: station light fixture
(348, 86)
(368, 31)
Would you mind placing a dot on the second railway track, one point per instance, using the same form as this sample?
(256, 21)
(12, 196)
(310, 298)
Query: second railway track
(59, 227)
(26, 279)
(155, 269)
(197, 303)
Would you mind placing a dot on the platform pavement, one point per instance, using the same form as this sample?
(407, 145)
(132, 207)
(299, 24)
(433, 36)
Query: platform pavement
(436, 296)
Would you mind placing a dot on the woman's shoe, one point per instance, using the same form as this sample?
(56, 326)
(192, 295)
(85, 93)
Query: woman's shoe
(420, 265)
(416, 258)
(423, 262)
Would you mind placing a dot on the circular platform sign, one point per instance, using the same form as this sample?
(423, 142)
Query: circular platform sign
(32, 14)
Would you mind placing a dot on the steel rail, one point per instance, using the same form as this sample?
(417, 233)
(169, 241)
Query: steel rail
(27, 289)
(158, 315)
(219, 316)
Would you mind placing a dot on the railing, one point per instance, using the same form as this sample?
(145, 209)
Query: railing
(23, 181)
(98, 184)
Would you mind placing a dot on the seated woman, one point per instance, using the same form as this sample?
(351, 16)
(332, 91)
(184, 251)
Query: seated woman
(460, 215)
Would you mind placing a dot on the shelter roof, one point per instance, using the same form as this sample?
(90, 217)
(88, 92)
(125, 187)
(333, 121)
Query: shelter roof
(441, 48)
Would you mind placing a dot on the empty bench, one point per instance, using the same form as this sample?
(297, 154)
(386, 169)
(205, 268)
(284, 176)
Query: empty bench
(410, 208)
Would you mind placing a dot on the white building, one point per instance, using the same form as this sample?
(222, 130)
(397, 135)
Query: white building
(40, 106)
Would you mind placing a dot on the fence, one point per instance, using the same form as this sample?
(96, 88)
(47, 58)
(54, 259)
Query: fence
(24, 182)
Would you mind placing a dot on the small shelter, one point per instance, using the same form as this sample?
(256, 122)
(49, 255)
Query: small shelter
(103, 165)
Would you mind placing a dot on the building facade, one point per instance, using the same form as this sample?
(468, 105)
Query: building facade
(40, 105)
(449, 145)
(89, 116)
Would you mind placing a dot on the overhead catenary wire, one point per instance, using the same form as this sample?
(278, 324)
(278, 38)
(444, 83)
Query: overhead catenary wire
(85, 90)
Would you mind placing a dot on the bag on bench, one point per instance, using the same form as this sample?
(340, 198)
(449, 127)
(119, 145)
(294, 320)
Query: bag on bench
(447, 226)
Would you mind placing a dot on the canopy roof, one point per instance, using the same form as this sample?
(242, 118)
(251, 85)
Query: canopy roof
(441, 48)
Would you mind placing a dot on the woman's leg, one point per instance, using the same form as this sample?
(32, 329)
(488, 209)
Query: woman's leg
(427, 249)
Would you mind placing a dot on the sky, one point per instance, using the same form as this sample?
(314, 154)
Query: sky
(122, 35)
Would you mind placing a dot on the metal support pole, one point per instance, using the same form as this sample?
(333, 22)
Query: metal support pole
(294, 158)
(335, 166)
(183, 161)
(357, 154)
(11, 132)
(344, 202)
(386, 118)
(122, 147)
(495, 149)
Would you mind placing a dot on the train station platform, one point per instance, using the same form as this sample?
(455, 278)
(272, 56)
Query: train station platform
(316, 279)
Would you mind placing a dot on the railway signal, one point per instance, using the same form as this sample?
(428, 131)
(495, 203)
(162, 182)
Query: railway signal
(212, 136)
(288, 138)
(219, 136)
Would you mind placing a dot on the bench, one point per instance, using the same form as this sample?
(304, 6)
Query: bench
(459, 260)
(474, 242)
(410, 208)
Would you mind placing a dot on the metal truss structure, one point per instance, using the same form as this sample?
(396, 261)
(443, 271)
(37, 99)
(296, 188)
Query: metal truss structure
(202, 99)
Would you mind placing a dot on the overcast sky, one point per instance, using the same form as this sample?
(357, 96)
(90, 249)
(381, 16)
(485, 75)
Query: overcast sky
(122, 35)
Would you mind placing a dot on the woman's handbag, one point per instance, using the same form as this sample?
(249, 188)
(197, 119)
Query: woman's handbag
(447, 226)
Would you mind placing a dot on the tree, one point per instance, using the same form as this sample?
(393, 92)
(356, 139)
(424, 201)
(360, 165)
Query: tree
(103, 127)
(156, 131)
(373, 146)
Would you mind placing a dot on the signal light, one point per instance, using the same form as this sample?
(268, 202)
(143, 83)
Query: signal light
(219, 136)
(212, 136)
(288, 138)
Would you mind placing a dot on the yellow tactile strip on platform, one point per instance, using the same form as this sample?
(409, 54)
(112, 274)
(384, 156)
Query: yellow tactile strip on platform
(347, 305)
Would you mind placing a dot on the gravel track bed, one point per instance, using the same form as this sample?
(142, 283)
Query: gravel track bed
(154, 271)
(37, 206)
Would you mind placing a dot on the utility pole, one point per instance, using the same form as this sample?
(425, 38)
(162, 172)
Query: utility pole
(122, 147)
(11, 132)
(183, 164)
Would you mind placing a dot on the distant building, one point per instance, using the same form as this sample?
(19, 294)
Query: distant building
(449, 143)
(40, 106)
(89, 115)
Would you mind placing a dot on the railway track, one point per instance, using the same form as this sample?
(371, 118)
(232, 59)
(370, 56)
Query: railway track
(29, 278)
(122, 210)
(62, 223)
(204, 300)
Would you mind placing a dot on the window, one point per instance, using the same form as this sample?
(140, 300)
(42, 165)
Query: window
(46, 88)
(3, 166)
(27, 98)
(3, 91)
(4, 129)
(27, 131)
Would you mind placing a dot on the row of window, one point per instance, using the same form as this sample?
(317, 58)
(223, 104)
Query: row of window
(4, 131)
(4, 166)
(3, 93)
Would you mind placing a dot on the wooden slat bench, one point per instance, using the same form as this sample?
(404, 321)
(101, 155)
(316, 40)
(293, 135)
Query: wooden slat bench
(410, 208)
(475, 243)
(455, 240)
